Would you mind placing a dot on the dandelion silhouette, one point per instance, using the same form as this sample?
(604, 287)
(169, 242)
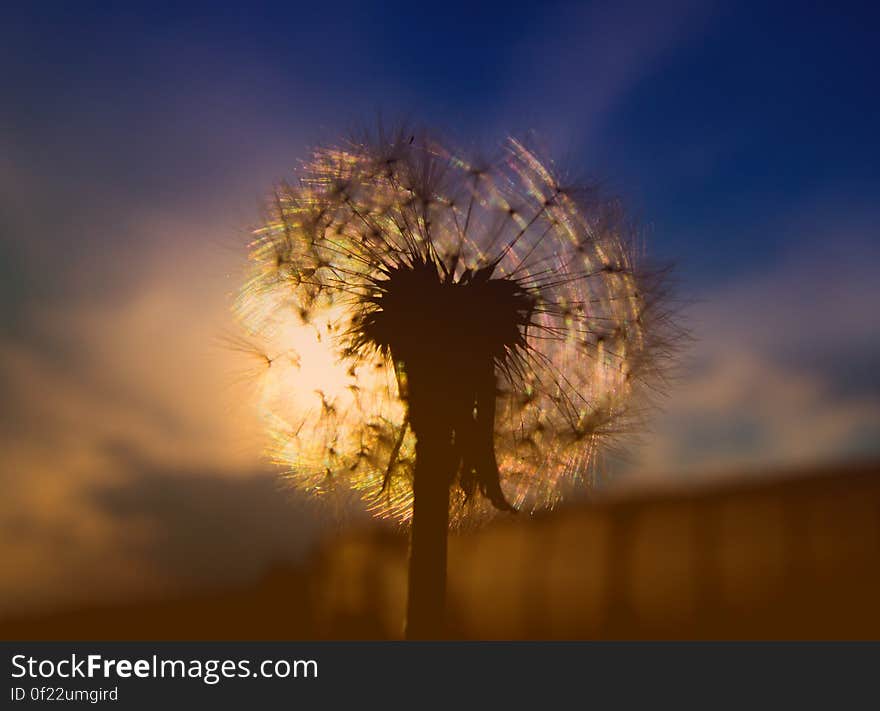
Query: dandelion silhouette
(459, 337)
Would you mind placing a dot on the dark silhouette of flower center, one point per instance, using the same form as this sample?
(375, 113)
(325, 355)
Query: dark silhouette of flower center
(447, 335)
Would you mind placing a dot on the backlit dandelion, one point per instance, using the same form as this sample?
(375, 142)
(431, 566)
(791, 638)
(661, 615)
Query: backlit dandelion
(461, 334)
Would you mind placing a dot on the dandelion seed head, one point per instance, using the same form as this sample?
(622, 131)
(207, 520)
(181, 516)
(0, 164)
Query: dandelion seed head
(394, 265)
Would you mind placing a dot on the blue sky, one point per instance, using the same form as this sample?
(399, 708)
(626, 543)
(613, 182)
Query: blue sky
(711, 119)
(137, 141)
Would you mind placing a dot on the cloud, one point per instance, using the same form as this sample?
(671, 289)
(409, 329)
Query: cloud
(132, 450)
(63, 540)
(149, 531)
(114, 337)
(780, 373)
(202, 527)
(582, 61)
(743, 412)
(124, 230)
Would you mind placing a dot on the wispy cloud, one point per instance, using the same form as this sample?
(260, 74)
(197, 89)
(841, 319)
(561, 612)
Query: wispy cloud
(778, 374)
(581, 61)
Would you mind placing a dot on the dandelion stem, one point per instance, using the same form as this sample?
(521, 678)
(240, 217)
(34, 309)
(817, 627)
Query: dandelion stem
(425, 617)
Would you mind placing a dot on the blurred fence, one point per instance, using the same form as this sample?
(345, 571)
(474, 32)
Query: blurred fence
(797, 558)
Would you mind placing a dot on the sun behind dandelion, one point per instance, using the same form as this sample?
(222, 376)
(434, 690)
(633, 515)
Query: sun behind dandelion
(416, 295)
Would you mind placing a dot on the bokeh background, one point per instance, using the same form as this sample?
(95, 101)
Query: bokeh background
(137, 142)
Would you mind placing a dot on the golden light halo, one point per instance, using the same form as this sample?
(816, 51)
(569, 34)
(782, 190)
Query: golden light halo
(336, 417)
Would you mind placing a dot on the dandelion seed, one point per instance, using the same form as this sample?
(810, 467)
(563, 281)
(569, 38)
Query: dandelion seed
(395, 267)
(480, 330)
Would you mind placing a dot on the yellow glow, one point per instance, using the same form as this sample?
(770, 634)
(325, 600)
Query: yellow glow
(336, 417)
